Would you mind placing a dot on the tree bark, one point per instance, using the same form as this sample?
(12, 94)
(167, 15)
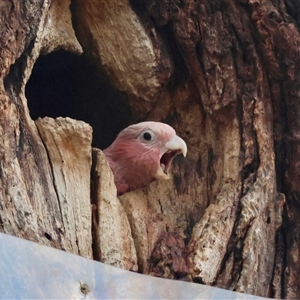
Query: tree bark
(224, 74)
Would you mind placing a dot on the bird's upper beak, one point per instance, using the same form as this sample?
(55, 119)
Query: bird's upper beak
(172, 148)
(177, 144)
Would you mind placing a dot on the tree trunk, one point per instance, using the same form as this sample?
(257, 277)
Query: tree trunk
(224, 74)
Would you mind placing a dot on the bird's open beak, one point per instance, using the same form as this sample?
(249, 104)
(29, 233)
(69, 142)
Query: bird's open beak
(172, 148)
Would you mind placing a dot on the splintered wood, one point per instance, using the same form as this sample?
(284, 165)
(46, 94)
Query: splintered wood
(68, 146)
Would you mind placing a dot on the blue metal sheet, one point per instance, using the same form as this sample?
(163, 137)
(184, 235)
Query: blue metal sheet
(32, 271)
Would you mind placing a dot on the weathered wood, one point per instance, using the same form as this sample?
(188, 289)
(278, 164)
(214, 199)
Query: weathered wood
(225, 75)
(29, 206)
(132, 62)
(29, 203)
(68, 146)
(147, 225)
(113, 242)
(58, 32)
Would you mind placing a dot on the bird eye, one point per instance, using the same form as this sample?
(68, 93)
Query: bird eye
(147, 136)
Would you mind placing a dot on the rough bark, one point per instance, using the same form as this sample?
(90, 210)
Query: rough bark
(225, 75)
(113, 243)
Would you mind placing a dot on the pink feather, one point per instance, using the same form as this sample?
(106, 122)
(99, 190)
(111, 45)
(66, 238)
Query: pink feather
(142, 153)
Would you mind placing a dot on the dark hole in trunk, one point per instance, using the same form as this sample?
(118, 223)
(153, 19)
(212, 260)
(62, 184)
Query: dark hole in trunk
(63, 84)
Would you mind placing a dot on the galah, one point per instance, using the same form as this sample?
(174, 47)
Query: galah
(142, 153)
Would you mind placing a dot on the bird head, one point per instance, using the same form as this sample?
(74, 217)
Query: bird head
(143, 152)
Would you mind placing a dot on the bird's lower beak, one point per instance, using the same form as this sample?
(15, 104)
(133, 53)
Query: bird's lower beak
(172, 148)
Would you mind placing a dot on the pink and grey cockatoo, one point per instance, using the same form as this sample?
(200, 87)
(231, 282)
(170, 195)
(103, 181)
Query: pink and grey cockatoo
(142, 153)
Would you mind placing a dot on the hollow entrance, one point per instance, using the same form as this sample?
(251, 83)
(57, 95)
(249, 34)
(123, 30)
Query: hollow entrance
(63, 84)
